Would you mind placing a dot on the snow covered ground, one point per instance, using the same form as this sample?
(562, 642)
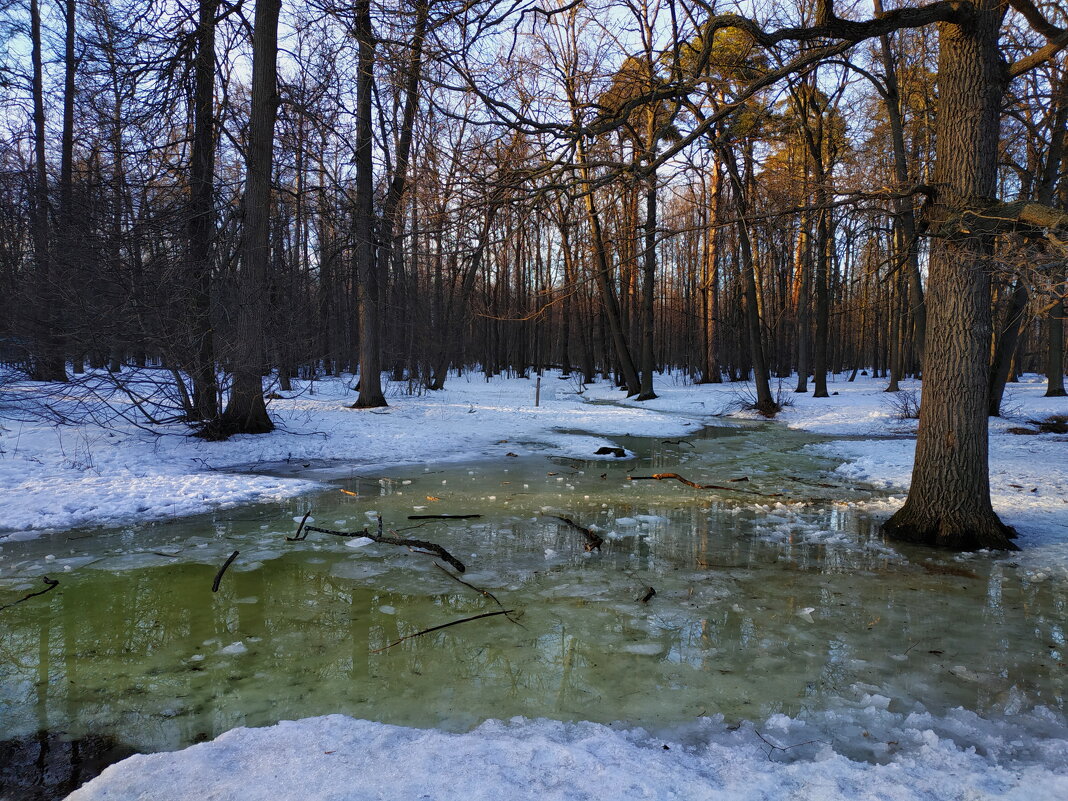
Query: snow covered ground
(82, 475)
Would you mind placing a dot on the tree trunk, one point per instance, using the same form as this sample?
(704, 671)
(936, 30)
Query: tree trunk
(246, 412)
(1055, 347)
(46, 357)
(648, 291)
(765, 403)
(710, 283)
(804, 280)
(602, 273)
(368, 267)
(201, 226)
(949, 501)
(1005, 346)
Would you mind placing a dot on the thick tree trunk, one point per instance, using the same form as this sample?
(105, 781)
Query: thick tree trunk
(201, 226)
(949, 501)
(246, 412)
(368, 267)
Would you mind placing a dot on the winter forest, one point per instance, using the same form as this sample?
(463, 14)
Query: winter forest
(252, 253)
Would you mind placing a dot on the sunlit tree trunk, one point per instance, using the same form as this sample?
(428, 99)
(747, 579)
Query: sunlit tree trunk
(949, 501)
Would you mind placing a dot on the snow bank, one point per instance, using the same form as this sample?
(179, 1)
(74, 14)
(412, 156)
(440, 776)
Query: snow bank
(343, 759)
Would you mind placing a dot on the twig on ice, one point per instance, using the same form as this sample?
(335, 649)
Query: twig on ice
(593, 541)
(442, 626)
(52, 584)
(219, 575)
(479, 590)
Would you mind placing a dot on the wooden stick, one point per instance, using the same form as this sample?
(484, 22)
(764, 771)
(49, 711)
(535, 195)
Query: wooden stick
(688, 483)
(593, 541)
(297, 537)
(479, 590)
(433, 547)
(442, 626)
(52, 584)
(442, 517)
(226, 564)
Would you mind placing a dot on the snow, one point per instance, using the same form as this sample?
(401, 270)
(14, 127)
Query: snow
(343, 759)
(57, 477)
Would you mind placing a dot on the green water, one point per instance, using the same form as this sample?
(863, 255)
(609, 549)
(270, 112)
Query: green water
(135, 646)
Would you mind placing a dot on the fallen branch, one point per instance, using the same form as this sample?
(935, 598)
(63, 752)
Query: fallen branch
(52, 584)
(647, 595)
(226, 564)
(688, 483)
(812, 483)
(593, 540)
(431, 548)
(479, 590)
(300, 529)
(442, 517)
(442, 626)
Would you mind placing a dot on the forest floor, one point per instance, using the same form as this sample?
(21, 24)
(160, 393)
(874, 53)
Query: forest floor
(82, 474)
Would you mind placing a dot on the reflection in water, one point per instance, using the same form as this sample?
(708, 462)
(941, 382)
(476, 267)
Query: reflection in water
(46, 766)
(762, 606)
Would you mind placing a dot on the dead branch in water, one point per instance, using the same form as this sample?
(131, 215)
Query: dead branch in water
(52, 584)
(593, 540)
(688, 483)
(479, 590)
(431, 548)
(442, 517)
(442, 626)
(226, 564)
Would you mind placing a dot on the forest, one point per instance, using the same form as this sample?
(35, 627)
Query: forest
(618, 188)
(533, 399)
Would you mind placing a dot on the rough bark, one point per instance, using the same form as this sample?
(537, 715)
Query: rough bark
(949, 501)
